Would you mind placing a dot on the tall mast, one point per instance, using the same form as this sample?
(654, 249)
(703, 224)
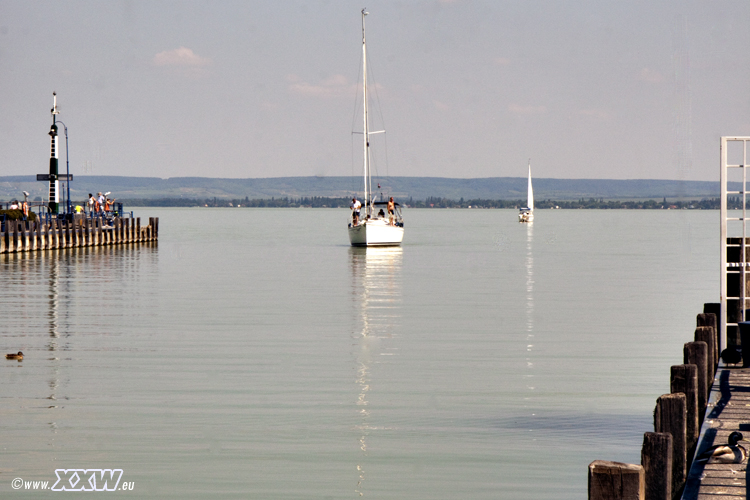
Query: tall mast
(54, 199)
(366, 129)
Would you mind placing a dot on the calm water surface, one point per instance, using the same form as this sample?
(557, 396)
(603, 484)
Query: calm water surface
(253, 354)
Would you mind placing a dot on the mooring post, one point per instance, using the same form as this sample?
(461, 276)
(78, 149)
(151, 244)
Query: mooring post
(24, 236)
(156, 220)
(616, 481)
(32, 235)
(669, 416)
(60, 233)
(684, 380)
(53, 238)
(137, 229)
(13, 237)
(706, 334)
(694, 353)
(656, 459)
(63, 233)
(711, 320)
(2, 237)
(56, 233)
(715, 309)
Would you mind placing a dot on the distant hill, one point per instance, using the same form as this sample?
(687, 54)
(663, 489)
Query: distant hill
(418, 188)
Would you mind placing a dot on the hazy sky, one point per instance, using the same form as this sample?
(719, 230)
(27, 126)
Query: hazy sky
(586, 89)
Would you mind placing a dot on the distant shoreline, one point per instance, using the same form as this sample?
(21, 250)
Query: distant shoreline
(434, 202)
(508, 189)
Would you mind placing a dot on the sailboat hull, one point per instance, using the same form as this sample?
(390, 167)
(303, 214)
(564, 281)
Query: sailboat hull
(375, 232)
(526, 217)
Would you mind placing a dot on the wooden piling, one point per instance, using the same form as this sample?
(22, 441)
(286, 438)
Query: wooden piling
(137, 229)
(616, 481)
(669, 417)
(706, 334)
(656, 459)
(61, 232)
(684, 380)
(14, 242)
(33, 234)
(23, 236)
(11, 225)
(55, 233)
(694, 353)
(711, 320)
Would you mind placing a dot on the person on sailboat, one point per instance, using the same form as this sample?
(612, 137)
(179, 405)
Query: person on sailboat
(391, 210)
(355, 206)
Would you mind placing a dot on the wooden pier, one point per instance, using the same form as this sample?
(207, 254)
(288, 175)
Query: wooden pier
(58, 233)
(707, 401)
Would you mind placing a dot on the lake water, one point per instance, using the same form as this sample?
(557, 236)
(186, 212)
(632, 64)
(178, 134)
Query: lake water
(252, 353)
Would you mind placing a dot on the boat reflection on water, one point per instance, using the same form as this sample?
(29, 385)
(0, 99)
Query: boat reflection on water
(529, 304)
(376, 298)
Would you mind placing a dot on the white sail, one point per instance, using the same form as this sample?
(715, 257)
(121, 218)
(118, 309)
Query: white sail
(527, 213)
(530, 194)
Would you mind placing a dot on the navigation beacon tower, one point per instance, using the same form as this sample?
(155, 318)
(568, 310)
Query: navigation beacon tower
(54, 200)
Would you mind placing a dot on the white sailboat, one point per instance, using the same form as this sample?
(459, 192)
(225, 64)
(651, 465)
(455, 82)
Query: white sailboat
(526, 214)
(373, 229)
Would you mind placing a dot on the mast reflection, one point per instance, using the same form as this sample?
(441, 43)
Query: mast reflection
(376, 298)
(529, 302)
(53, 263)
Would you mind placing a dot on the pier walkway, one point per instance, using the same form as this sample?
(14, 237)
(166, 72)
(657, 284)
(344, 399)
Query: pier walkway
(728, 410)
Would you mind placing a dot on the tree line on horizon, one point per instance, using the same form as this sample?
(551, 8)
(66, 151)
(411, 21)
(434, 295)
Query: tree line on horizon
(436, 202)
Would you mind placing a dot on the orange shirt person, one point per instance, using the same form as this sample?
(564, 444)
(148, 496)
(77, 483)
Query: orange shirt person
(391, 210)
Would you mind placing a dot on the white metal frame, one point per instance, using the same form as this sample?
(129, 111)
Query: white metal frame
(740, 267)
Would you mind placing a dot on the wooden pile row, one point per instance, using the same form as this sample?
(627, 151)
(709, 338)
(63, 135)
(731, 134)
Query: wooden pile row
(667, 452)
(27, 236)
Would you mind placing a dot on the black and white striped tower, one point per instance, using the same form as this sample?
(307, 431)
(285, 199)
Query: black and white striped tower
(54, 200)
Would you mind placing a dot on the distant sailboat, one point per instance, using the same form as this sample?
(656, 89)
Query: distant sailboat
(526, 213)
